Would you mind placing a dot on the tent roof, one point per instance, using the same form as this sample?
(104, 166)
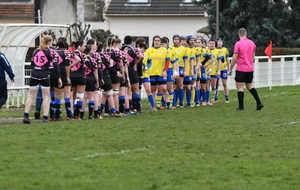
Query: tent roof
(15, 39)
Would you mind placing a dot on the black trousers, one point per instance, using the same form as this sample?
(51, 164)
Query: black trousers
(3, 91)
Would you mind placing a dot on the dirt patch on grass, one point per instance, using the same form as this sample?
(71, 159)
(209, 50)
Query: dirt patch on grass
(17, 120)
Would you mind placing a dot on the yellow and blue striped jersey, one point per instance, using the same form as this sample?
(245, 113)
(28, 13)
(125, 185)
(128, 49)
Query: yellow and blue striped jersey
(226, 54)
(197, 51)
(205, 56)
(191, 56)
(159, 56)
(181, 54)
(173, 57)
(218, 55)
(147, 61)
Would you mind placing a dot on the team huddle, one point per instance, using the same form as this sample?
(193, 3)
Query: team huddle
(186, 74)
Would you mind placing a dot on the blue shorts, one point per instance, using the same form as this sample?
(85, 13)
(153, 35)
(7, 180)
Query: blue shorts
(194, 77)
(181, 71)
(157, 80)
(203, 74)
(187, 80)
(224, 74)
(170, 75)
(146, 79)
(213, 76)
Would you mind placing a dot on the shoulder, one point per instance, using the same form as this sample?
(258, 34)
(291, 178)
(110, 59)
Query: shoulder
(163, 50)
(95, 53)
(2, 56)
(238, 42)
(150, 49)
(252, 43)
(37, 49)
(133, 48)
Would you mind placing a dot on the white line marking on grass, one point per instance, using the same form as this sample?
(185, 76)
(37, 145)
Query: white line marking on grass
(267, 95)
(110, 153)
(276, 94)
(290, 123)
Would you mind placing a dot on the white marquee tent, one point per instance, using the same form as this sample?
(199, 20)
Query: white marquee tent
(15, 40)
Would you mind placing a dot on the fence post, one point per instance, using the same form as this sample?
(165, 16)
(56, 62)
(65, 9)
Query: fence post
(270, 78)
(23, 96)
(7, 101)
(294, 69)
(18, 99)
(13, 98)
(282, 70)
(256, 72)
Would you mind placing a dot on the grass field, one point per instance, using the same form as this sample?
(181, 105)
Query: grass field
(208, 147)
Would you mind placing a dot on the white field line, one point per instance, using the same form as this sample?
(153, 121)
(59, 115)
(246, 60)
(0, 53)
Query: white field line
(266, 95)
(290, 123)
(276, 94)
(111, 153)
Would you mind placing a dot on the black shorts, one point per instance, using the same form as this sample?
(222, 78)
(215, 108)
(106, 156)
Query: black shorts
(54, 81)
(133, 76)
(44, 83)
(114, 79)
(78, 81)
(107, 84)
(124, 84)
(140, 69)
(90, 85)
(202, 81)
(140, 83)
(186, 82)
(245, 77)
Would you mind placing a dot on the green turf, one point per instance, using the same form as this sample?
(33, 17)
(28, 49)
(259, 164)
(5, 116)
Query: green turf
(208, 147)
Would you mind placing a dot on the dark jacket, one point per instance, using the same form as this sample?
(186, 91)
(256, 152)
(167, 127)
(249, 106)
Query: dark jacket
(5, 66)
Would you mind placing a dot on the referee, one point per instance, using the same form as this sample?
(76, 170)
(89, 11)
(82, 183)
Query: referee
(4, 66)
(244, 53)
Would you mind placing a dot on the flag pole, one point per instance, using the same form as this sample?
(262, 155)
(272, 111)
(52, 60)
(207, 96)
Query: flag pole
(270, 73)
(268, 51)
(271, 66)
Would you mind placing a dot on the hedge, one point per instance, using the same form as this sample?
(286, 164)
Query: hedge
(278, 51)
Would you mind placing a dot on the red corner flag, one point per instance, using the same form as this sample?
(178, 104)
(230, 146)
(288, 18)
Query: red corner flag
(268, 50)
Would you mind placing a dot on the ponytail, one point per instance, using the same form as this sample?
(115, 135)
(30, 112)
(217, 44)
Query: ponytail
(45, 40)
(110, 41)
(87, 50)
(100, 47)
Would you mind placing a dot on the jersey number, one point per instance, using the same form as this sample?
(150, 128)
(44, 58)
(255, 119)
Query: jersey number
(40, 59)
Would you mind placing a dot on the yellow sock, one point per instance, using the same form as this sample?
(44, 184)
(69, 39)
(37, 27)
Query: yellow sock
(158, 100)
(171, 96)
(193, 97)
(212, 95)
